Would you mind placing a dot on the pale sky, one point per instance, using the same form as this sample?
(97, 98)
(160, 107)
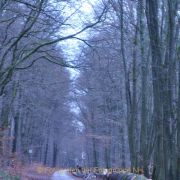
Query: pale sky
(71, 47)
(83, 15)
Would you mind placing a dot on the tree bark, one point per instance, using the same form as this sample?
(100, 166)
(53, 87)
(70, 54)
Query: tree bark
(143, 138)
(152, 21)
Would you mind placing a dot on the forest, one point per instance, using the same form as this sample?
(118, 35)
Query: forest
(91, 82)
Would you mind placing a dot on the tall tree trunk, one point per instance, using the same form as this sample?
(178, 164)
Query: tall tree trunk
(152, 18)
(178, 126)
(168, 109)
(143, 137)
(134, 98)
(128, 94)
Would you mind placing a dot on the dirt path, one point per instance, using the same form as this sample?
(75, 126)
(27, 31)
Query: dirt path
(64, 176)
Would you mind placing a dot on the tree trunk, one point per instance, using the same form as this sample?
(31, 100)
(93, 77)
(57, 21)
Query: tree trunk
(152, 18)
(46, 151)
(128, 95)
(55, 150)
(143, 138)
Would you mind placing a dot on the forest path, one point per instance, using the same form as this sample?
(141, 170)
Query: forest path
(63, 176)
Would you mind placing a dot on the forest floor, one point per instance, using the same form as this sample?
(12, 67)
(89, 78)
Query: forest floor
(36, 172)
(36, 177)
